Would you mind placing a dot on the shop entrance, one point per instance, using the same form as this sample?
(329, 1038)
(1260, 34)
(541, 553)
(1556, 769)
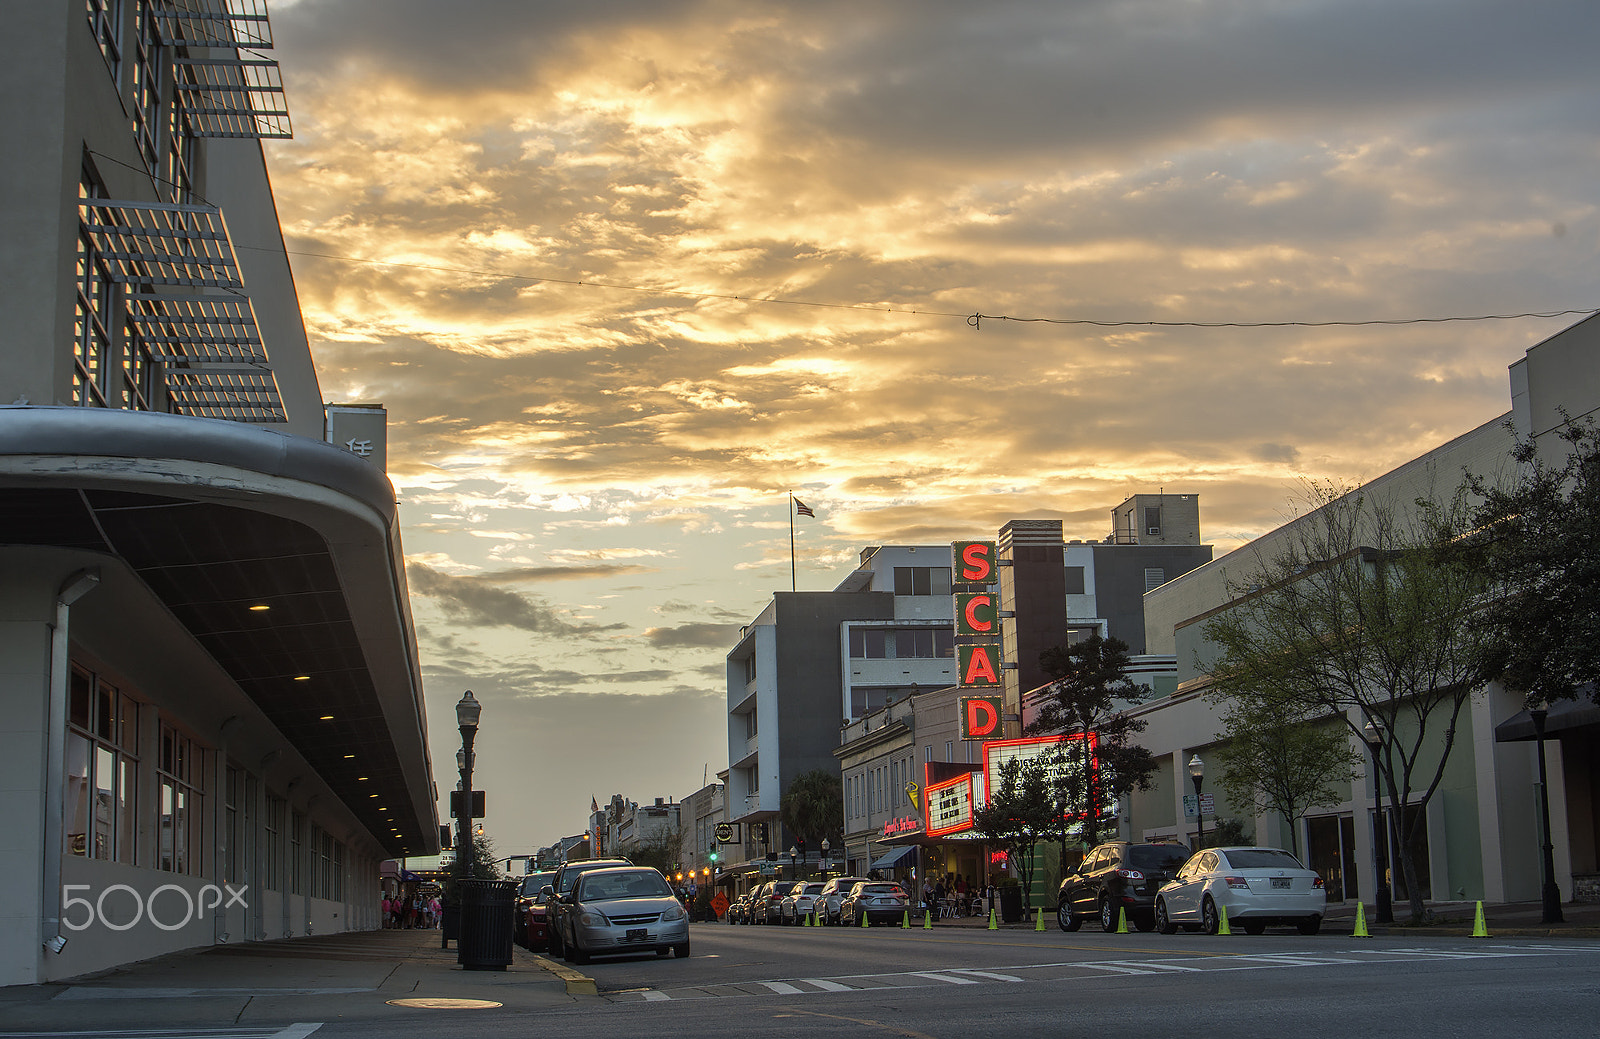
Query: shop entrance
(1331, 851)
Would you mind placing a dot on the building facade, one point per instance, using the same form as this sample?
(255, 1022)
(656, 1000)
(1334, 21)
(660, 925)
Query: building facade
(215, 725)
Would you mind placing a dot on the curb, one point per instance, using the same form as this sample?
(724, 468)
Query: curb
(577, 984)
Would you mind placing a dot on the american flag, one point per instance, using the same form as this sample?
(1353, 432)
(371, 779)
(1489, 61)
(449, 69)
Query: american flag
(802, 508)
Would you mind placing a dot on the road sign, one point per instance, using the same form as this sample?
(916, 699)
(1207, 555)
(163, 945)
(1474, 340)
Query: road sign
(1191, 806)
(1208, 805)
(719, 904)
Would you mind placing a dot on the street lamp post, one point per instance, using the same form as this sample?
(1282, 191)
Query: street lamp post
(1374, 741)
(1197, 771)
(1550, 895)
(794, 870)
(823, 865)
(467, 712)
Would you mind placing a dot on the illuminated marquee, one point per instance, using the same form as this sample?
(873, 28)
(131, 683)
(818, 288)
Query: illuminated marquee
(980, 664)
(981, 717)
(950, 805)
(977, 613)
(997, 753)
(977, 562)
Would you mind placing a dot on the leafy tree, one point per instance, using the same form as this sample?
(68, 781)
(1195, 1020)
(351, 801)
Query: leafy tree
(813, 808)
(1019, 815)
(1276, 759)
(660, 849)
(484, 865)
(1366, 616)
(1089, 695)
(1227, 833)
(1539, 541)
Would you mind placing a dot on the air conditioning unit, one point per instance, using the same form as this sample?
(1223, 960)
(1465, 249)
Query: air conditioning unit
(1152, 530)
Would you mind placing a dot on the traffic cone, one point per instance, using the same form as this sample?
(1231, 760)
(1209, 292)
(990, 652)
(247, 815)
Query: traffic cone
(992, 925)
(1222, 923)
(1122, 921)
(1361, 923)
(1038, 919)
(1479, 928)
(811, 920)
(864, 920)
(927, 919)
(905, 921)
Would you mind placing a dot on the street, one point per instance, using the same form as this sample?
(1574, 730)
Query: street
(945, 983)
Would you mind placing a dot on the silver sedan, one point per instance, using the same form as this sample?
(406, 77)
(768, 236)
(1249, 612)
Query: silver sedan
(1257, 886)
(625, 909)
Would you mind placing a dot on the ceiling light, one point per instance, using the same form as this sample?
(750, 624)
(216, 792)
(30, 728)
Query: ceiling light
(326, 718)
(302, 678)
(260, 607)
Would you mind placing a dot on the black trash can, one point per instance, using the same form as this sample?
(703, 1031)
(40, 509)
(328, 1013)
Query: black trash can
(449, 923)
(488, 919)
(1011, 904)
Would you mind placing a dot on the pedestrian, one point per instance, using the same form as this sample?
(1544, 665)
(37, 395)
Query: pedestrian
(385, 910)
(927, 894)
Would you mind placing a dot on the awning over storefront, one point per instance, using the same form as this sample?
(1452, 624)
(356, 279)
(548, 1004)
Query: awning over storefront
(896, 858)
(1563, 715)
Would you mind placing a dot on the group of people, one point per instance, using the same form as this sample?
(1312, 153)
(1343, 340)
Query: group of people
(415, 911)
(955, 891)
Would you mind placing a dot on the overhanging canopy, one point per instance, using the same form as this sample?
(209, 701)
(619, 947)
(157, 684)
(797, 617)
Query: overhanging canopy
(896, 858)
(1564, 715)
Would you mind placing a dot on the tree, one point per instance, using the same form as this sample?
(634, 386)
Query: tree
(1276, 759)
(1365, 615)
(484, 865)
(1019, 814)
(1088, 696)
(813, 808)
(660, 849)
(1539, 541)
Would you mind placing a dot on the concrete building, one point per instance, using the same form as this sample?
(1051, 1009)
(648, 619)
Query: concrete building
(214, 726)
(1480, 840)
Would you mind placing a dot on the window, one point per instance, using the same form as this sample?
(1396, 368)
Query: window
(105, 21)
(1075, 585)
(750, 669)
(1152, 519)
(922, 580)
(297, 853)
(1154, 577)
(102, 770)
(180, 777)
(149, 83)
(901, 643)
(949, 750)
(92, 323)
(277, 812)
(927, 752)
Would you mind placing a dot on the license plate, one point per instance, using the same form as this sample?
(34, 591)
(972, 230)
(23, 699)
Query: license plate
(637, 934)
(1281, 882)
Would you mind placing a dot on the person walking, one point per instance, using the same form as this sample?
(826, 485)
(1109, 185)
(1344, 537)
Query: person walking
(385, 910)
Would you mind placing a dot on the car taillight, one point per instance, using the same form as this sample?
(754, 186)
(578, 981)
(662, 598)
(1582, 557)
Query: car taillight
(1316, 882)
(1238, 882)
(1130, 874)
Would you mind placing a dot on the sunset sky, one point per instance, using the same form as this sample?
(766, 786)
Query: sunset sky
(542, 235)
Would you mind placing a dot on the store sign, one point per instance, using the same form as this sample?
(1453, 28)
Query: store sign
(1065, 754)
(979, 664)
(977, 613)
(904, 824)
(977, 562)
(950, 806)
(980, 717)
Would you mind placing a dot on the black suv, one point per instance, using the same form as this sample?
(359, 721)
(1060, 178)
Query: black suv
(1122, 876)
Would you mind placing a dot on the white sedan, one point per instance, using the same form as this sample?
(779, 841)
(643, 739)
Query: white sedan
(1259, 886)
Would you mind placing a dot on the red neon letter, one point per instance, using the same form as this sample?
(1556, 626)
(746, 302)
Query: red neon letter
(983, 600)
(981, 719)
(976, 564)
(980, 667)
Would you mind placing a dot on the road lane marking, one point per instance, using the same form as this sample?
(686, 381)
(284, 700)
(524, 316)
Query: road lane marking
(827, 986)
(991, 975)
(655, 997)
(950, 979)
(783, 988)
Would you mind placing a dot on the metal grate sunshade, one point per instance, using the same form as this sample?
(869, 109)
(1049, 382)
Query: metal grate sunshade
(239, 395)
(162, 243)
(214, 23)
(204, 328)
(232, 97)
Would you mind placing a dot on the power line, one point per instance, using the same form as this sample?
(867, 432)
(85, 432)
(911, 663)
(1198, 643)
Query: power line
(975, 320)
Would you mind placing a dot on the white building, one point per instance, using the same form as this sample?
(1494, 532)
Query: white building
(214, 726)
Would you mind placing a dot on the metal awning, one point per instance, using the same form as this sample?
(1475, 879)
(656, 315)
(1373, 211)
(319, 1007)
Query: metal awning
(213, 23)
(896, 858)
(196, 329)
(1563, 715)
(232, 97)
(162, 243)
(241, 395)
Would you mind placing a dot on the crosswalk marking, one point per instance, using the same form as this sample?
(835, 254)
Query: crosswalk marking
(827, 986)
(933, 975)
(783, 988)
(991, 975)
(653, 996)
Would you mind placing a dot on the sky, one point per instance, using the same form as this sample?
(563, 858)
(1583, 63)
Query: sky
(626, 274)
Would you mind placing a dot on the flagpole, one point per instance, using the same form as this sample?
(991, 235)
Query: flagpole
(791, 542)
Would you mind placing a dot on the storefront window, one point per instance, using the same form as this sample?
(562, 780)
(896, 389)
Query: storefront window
(180, 776)
(101, 769)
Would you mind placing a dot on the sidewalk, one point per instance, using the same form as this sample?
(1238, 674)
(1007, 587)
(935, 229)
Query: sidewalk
(1450, 919)
(322, 978)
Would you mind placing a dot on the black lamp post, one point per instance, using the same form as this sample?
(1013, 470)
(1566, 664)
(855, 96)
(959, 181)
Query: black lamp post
(1550, 895)
(1374, 741)
(467, 711)
(1197, 772)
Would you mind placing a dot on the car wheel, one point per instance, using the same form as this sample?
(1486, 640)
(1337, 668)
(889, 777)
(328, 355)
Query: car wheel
(554, 942)
(1065, 919)
(1310, 925)
(1108, 916)
(576, 954)
(1144, 923)
(1164, 922)
(1210, 921)
(682, 951)
(1254, 927)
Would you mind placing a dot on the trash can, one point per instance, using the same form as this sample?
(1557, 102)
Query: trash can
(1011, 904)
(488, 918)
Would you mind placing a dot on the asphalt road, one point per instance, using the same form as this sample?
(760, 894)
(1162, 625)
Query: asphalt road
(966, 984)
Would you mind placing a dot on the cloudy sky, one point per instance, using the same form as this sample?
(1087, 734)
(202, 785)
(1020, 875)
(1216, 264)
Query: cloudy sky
(626, 273)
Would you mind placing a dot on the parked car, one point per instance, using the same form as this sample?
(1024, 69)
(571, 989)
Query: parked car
(530, 928)
(1259, 886)
(833, 893)
(768, 906)
(800, 901)
(558, 926)
(624, 909)
(880, 901)
(1118, 876)
(737, 909)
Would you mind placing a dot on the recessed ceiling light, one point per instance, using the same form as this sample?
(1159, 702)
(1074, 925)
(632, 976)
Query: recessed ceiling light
(362, 778)
(326, 718)
(260, 607)
(372, 795)
(347, 757)
(302, 678)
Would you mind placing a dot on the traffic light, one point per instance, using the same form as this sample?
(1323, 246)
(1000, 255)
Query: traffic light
(713, 854)
(800, 846)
